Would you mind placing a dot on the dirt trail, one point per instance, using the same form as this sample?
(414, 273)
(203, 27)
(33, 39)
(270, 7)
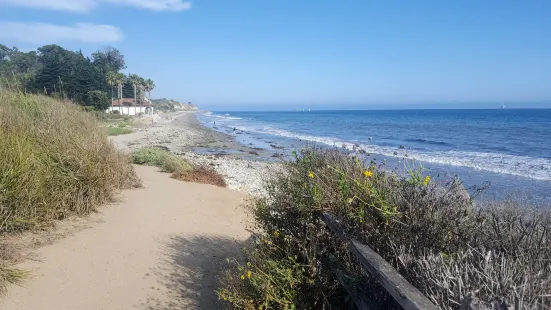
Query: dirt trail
(160, 248)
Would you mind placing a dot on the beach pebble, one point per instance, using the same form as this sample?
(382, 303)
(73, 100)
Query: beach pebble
(180, 135)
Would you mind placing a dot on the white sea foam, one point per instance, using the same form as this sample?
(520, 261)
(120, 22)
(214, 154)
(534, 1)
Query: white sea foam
(225, 117)
(524, 166)
(530, 167)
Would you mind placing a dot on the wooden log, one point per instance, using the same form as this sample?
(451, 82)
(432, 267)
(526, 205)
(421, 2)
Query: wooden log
(408, 296)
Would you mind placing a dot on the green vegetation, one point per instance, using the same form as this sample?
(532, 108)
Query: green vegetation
(54, 71)
(98, 99)
(435, 236)
(164, 105)
(116, 124)
(117, 131)
(55, 161)
(169, 105)
(162, 159)
(178, 166)
(112, 117)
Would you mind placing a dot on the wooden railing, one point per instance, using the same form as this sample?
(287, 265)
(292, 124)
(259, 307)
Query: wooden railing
(408, 296)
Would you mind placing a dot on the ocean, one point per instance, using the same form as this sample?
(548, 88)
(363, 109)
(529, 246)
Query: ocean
(508, 149)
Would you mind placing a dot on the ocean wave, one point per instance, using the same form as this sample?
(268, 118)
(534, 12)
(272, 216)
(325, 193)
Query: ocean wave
(223, 116)
(428, 141)
(524, 166)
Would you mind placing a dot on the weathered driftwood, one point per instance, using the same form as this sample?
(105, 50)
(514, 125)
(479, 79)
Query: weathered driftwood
(408, 296)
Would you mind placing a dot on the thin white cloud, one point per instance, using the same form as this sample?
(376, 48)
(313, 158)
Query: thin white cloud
(82, 6)
(156, 5)
(42, 33)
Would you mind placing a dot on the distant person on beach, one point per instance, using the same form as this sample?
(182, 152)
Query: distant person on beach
(233, 129)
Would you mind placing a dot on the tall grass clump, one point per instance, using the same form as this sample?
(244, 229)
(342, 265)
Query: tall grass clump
(117, 131)
(433, 234)
(54, 161)
(160, 158)
(178, 166)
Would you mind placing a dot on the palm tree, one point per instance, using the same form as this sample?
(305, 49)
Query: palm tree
(141, 88)
(134, 79)
(149, 86)
(111, 78)
(120, 78)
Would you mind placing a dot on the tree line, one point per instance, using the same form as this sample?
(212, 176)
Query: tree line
(87, 80)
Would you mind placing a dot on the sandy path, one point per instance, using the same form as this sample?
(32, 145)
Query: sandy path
(161, 247)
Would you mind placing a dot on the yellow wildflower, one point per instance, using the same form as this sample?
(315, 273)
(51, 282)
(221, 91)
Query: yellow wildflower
(242, 277)
(368, 173)
(426, 180)
(311, 175)
(276, 234)
(249, 274)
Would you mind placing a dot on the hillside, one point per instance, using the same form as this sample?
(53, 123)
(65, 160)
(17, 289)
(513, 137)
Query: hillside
(54, 162)
(169, 105)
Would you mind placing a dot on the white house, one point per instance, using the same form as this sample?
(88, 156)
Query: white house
(128, 106)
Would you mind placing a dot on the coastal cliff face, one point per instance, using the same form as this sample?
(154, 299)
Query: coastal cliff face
(169, 105)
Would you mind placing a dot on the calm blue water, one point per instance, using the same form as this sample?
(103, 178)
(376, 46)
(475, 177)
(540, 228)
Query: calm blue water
(511, 149)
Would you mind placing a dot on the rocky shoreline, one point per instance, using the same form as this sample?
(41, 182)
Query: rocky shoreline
(243, 168)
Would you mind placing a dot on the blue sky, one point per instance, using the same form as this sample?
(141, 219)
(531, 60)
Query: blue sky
(259, 53)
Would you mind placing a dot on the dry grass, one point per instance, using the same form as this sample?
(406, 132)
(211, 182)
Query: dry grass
(10, 276)
(54, 161)
(201, 175)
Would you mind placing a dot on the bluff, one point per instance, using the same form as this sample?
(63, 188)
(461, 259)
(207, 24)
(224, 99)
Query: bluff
(169, 105)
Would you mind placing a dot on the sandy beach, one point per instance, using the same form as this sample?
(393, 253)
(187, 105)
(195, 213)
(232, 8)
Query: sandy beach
(159, 247)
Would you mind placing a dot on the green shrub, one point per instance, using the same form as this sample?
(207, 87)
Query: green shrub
(433, 235)
(116, 131)
(98, 99)
(103, 116)
(160, 158)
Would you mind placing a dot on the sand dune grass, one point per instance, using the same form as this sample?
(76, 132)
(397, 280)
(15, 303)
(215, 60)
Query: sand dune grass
(54, 161)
